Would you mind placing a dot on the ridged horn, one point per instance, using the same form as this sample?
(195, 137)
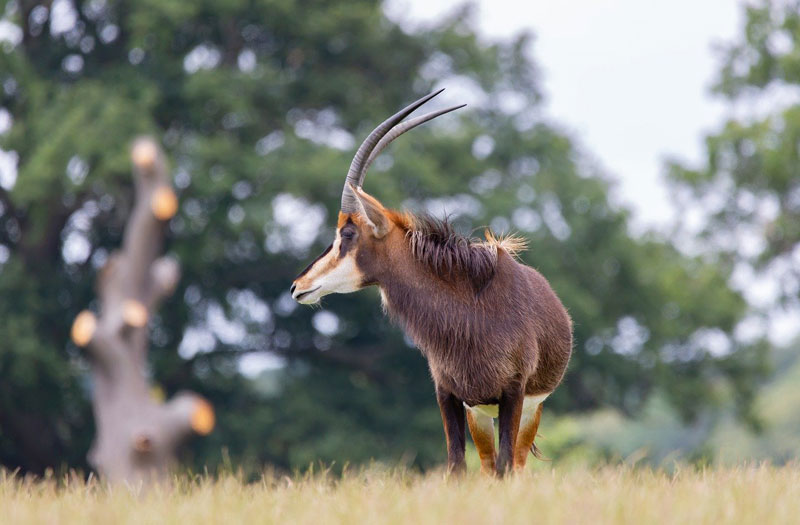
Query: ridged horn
(363, 152)
(396, 132)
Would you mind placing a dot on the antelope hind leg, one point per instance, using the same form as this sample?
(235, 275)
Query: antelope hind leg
(481, 428)
(528, 427)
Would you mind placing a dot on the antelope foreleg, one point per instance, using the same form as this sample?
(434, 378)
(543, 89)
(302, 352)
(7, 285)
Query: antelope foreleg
(452, 410)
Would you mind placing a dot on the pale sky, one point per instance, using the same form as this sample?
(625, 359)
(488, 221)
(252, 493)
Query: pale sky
(628, 79)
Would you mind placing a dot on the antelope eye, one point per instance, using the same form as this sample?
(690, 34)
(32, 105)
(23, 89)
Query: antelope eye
(348, 234)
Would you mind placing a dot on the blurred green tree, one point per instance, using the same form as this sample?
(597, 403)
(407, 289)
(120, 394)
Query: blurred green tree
(260, 104)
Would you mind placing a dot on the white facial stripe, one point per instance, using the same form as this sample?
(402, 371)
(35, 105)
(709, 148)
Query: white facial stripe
(331, 275)
(342, 278)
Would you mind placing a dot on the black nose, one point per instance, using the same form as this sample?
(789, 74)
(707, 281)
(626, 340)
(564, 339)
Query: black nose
(291, 290)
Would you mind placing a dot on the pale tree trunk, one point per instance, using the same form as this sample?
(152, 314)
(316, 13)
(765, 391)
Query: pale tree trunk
(137, 436)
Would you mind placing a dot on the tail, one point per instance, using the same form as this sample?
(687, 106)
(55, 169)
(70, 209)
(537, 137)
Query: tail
(537, 453)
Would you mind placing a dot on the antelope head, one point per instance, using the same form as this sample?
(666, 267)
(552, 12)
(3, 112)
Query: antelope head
(364, 225)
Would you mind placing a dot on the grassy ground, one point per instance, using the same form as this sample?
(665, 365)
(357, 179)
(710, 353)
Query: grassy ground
(758, 494)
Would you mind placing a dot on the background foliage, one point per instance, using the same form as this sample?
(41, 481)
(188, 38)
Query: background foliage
(260, 104)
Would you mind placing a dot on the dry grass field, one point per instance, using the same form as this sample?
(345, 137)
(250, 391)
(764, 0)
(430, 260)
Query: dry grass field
(749, 494)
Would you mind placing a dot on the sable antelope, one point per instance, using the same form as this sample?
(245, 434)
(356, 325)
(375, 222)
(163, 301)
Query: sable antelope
(496, 337)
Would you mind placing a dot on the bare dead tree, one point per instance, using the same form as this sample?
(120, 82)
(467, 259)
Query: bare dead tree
(137, 435)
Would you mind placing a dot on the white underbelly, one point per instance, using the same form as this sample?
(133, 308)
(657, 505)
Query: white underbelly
(529, 406)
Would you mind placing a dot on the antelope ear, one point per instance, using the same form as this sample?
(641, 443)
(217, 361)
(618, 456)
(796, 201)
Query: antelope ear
(372, 211)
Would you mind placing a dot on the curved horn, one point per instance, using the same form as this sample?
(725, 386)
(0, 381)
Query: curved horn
(396, 132)
(353, 174)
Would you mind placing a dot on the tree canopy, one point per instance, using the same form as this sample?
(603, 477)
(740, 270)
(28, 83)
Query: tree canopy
(260, 105)
(749, 182)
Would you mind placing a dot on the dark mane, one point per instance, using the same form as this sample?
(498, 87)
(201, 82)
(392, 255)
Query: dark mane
(449, 254)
